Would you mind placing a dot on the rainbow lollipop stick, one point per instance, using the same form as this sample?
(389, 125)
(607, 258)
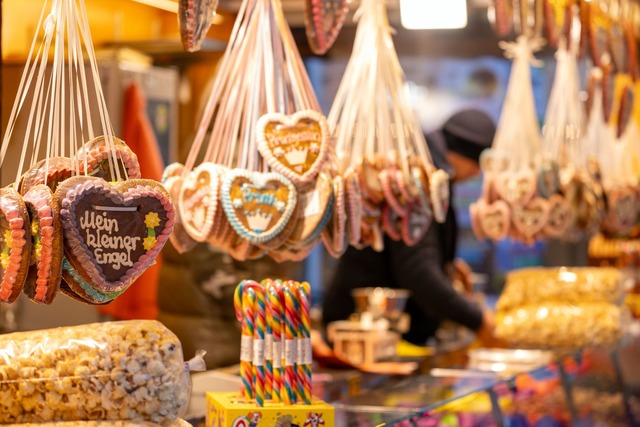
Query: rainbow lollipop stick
(268, 342)
(304, 344)
(258, 344)
(289, 345)
(248, 327)
(275, 318)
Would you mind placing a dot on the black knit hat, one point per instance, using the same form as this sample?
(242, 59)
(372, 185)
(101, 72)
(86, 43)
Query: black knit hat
(468, 133)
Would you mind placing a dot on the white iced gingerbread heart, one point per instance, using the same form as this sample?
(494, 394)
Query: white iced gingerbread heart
(516, 188)
(316, 205)
(494, 219)
(531, 218)
(198, 200)
(295, 145)
(258, 205)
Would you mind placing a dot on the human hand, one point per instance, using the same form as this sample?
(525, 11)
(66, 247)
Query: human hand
(486, 333)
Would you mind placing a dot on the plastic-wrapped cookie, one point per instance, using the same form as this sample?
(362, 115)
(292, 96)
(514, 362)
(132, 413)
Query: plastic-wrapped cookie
(43, 279)
(15, 244)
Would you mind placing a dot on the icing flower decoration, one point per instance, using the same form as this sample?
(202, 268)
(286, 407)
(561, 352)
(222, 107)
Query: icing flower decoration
(280, 205)
(152, 220)
(8, 239)
(4, 259)
(34, 228)
(149, 242)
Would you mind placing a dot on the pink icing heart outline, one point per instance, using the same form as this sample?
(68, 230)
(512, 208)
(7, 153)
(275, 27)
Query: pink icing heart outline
(354, 206)
(320, 39)
(15, 274)
(389, 190)
(391, 223)
(72, 191)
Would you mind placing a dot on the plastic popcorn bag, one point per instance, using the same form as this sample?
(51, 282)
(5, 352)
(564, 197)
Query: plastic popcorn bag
(562, 326)
(177, 423)
(130, 371)
(562, 285)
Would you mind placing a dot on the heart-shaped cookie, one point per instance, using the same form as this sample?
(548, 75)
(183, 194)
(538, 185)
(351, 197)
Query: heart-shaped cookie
(369, 177)
(474, 217)
(517, 189)
(50, 172)
(492, 161)
(415, 225)
(391, 223)
(45, 271)
(296, 145)
(76, 287)
(622, 212)
(561, 217)
(180, 239)
(323, 21)
(112, 233)
(95, 158)
(258, 205)
(15, 244)
(316, 205)
(198, 200)
(531, 218)
(334, 235)
(549, 179)
(194, 18)
(353, 193)
(392, 192)
(494, 219)
(439, 192)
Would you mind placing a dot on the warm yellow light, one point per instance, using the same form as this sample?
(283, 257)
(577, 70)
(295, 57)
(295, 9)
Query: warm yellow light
(433, 14)
(172, 6)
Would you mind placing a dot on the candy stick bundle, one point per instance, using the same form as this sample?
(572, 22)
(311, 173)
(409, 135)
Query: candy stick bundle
(275, 355)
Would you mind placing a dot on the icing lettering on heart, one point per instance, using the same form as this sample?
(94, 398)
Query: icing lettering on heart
(296, 145)
(199, 200)
(258, 205)
(113, 232)
(15, 244)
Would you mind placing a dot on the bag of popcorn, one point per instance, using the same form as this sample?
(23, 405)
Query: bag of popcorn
(113, 371)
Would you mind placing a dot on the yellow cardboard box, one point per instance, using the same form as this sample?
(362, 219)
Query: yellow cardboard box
(232, 410)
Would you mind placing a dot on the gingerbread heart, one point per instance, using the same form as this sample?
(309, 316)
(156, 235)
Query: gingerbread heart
(531, 218)
(353, 193)
(392, 192)
(316, 205)
(494, 219)
(516, 188)
(76, 287)
(50, 172)
(334, 234)
(492, 161)
(421, 187)
(391, 223)
(194, 18)
(258, 205)
(180, 239)
(45, 272)
(622, 209)
(113, 233)
(296, 145)
(549, 179)
(474, 217)
(415, 225)
(95, 159)
(15, 244)
(369, 176)
(561, 217)
(323, 21)
(439, 189)
(198, 200)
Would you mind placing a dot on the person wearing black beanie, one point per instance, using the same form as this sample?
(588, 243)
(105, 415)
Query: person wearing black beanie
(428, 268)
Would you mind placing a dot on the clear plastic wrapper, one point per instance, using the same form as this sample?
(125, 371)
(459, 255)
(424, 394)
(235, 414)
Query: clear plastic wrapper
(562, 326)
(561, 285)
(177, 423)
(132, 371)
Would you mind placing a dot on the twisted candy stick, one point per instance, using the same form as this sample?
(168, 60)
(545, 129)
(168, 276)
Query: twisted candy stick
(289, 344)
(258, 344)
(268, 342)
(274, 319)
(297, 367)
(304, 345)
(248, 327)
(246, 346)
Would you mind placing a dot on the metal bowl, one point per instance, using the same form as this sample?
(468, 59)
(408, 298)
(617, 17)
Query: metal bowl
(381, 302)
